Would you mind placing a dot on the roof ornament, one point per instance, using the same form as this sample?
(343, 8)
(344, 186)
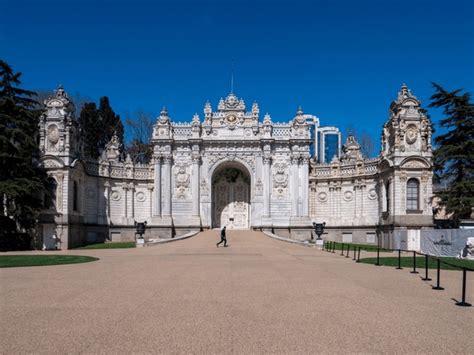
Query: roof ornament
(164, 117)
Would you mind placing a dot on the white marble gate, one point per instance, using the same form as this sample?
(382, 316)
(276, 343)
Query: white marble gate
(231, 199)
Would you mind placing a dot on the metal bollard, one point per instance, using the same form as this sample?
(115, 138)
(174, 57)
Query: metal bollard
(342, 249)
(378, 257)
(354, 258)
(358, 256)
(414, 264)
(334, 246)
(438, 287)
(399, 260)
(426, 278)
(463, 302)
(348, 250)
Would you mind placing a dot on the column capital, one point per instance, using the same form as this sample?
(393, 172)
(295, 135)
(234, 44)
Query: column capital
(167, 159)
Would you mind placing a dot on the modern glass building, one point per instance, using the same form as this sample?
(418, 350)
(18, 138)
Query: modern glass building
(329, 144)
(326, 140)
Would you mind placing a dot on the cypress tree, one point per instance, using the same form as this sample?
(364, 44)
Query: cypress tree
(23, 182)
(98, 126)
(91, 130)
(111, 122)
(454, 155)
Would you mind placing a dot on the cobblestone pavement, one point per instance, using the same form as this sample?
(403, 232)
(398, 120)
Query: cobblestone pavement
(256, 296)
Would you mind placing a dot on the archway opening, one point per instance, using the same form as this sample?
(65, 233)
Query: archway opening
(231, 197)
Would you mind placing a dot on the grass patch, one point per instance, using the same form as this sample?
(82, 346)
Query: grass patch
(42, 260)
(365, 247)
(407, 262)
(112, 245)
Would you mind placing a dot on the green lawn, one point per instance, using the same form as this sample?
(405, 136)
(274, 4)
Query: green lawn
(407, 262)
(112, 245)
(366, 247)
(42, 260)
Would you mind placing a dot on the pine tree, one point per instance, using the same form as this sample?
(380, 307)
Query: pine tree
(23, 182)
(454, 156)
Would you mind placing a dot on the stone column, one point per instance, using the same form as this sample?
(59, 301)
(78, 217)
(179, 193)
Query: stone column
(304, 188)
(294, 186)
(125, 204)
(157, 188)
(132, 200)
(167, 185)
(107, 201)
(195, 184)
(266, 185)
(150, 198)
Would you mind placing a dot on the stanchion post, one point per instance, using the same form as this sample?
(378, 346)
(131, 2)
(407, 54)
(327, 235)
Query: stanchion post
(438, 273)
(399, 260)
(342, 249)
(463, 302)
(354, 253)
(414, 264)
(334, 246)
(348, 250)
(358, 256)
(378, 257)
(426, 278)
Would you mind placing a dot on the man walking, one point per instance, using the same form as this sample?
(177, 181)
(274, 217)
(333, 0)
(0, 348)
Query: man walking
(223, 238)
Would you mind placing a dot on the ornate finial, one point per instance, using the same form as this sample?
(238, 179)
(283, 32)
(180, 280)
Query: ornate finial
(299, 112)
(195, 119)
(255, 108)
(267, 119)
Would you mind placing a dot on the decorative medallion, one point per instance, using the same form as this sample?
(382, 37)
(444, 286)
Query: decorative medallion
(322, 196)
(53, 134)
(348, 196)
(115, 195)
(141, 197)
(411, 134)
(372, 194)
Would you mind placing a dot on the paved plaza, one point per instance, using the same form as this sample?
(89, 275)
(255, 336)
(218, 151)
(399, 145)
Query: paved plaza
(256, 296)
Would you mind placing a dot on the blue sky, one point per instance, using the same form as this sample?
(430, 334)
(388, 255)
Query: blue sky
(343, 61)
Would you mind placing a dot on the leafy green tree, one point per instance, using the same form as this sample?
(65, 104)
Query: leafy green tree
(23, 182)
(454, 155)
(98, 125)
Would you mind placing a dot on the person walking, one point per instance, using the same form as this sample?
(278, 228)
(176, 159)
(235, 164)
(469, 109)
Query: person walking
(223, 238)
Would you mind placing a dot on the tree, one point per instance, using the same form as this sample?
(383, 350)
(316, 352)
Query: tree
(111, 123)
(91, 130)
(141, 128)
(98, 125)
(454, 155)
(23, 181)
(366, 145)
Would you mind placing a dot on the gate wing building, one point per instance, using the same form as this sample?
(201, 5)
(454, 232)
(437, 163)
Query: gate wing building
(232, 167)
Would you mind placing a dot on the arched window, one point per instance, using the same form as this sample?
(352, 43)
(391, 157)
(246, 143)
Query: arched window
(387, 196)
(50, 196)
(413, 195)
(75, 201)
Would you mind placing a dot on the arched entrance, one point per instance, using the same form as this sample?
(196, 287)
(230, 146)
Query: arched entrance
(231, 197)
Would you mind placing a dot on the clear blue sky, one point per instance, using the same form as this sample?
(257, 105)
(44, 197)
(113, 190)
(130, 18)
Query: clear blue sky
(343, 61)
